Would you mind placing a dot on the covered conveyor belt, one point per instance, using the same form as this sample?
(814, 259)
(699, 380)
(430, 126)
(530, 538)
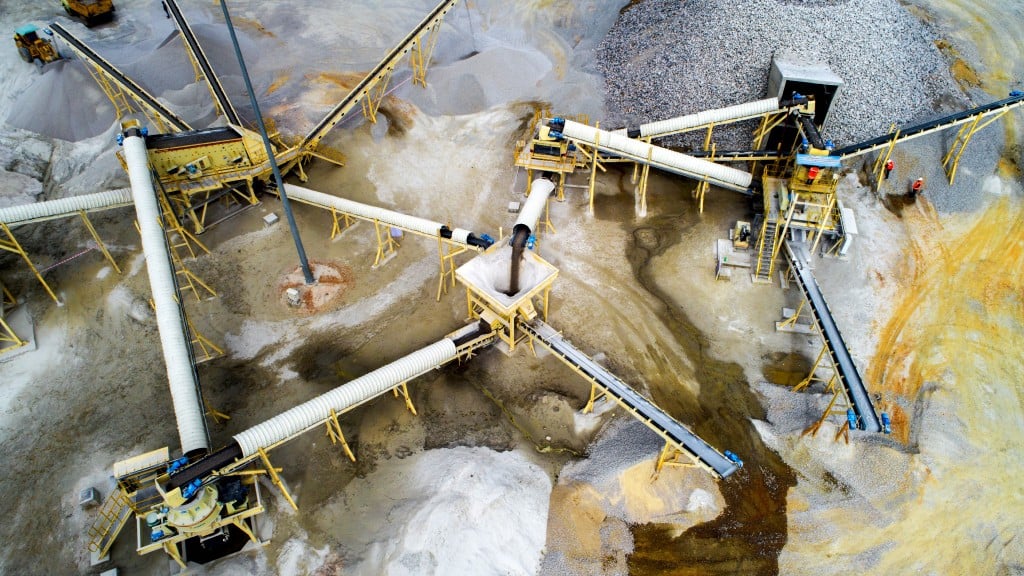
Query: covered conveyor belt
(843, 364)
(737, 113)
(931, 126)
(124, 83)
(390, 217)
(656, 156)
(378, 74)
(645, 410)
(64, 207)
(192, 43)
(317, 411)
(170, 319)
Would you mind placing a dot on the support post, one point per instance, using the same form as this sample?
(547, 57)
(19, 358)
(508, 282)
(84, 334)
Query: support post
(276, 479)
(403, 389)
(12, 245)
(386, 245)
(99, 242)
(337, 437)
(375, 96)
(338, 228)
(593, 166)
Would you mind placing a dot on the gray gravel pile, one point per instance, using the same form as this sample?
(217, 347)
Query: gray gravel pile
(665, 58)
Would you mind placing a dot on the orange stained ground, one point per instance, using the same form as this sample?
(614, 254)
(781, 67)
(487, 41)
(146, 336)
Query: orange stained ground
(960, 320)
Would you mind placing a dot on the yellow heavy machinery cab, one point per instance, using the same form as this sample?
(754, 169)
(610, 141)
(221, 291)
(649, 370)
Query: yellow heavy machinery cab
(34, 48)
(90, 12)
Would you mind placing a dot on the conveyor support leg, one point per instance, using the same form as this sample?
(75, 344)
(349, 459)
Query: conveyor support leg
(11, 245)
(337, 437)
(272, 472)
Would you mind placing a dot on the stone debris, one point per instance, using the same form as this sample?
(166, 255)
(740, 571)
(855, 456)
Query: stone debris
(665, 58)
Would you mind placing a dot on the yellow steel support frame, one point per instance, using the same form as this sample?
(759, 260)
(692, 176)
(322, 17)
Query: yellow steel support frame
(595, 163)
(824, 361)
(670, 456)
(951, 161)
(217, 415)
(704, 185)
(596, 393)
(447, 260)
(209, 349)
(792, 320)
(768, 123)
(337, 436)
(117, 97)
(878, 169)
(7, 335)
(386, 244)
(641, 182)
(403, 389)
(6, 298)
(272, 472)
(375, 96)
(120, 100)
(99, 242)
(422, 49)
(11, 245)
(340, 226)
(830, 203)
(172, 224)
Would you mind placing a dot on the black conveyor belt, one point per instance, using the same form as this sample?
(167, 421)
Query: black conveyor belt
(124, 82)
(643, 408)
(197, 52)
(930, 126)
(841, 360)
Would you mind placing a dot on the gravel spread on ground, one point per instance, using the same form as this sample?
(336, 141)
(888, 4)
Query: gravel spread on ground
(666, 58)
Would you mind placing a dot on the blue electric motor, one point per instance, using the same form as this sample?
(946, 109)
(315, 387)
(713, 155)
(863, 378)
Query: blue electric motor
(886, 424)
(734, 458)
(851, 417)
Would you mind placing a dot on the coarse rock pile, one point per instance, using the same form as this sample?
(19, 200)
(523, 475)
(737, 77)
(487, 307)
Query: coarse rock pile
(665, 58)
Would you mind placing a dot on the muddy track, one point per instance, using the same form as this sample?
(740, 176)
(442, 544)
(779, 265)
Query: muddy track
(749, 535)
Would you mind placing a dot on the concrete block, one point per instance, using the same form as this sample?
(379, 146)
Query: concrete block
(513, 207)
(270, 219)
(88, 498)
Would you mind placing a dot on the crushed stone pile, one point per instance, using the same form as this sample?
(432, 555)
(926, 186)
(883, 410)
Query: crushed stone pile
(665, 58)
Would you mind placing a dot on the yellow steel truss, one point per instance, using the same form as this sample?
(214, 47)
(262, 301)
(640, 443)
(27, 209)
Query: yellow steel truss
(878, 169)
(11, 244)
(951, 161)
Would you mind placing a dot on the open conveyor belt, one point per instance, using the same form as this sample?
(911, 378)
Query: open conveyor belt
(841, 360)
(123, 82)
(192, 43)
(737, 155)
(930, 126)
(641, 407)
(378, 74)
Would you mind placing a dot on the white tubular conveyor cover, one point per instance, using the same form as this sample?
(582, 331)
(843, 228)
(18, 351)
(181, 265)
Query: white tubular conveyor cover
(344, 397)
(690, 121)
(390, 217)
(661, 158)
(540, 189)
(65, 206)
(188, 408)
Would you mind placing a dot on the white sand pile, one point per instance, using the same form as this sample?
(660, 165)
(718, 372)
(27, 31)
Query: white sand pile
(597, 499)
(470, 511)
